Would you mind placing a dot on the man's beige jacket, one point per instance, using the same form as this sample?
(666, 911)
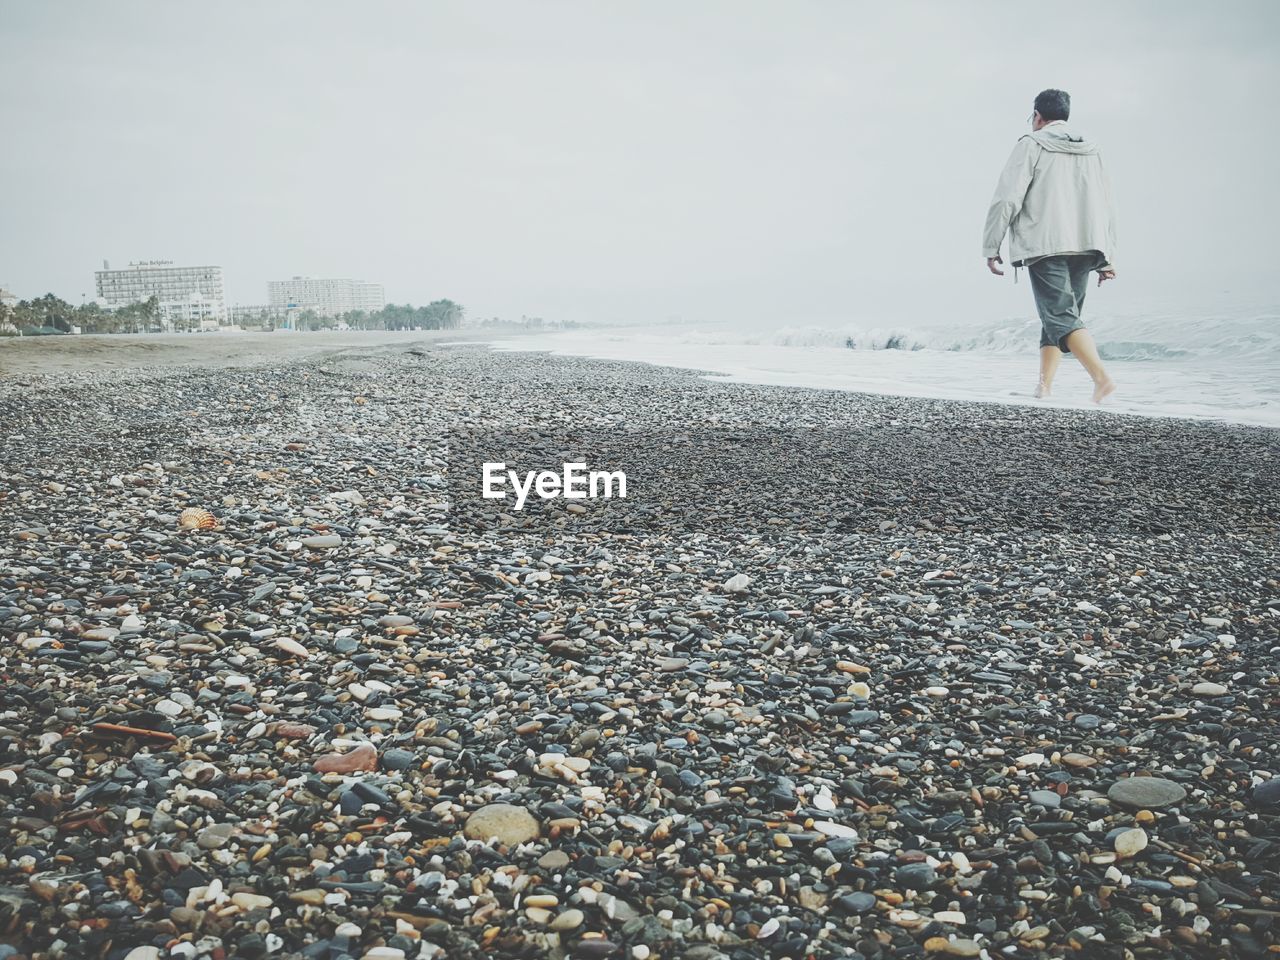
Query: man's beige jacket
(1053, 197)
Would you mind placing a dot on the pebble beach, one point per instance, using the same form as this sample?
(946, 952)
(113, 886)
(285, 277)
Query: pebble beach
(943, 679)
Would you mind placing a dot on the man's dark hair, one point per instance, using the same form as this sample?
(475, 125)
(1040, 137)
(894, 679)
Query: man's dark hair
(1053, 104)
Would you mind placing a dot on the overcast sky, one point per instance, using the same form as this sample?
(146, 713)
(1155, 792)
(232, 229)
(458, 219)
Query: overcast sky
(769, 162)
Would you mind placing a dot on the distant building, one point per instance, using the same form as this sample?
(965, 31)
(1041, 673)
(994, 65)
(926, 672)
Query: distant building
(328, 297)
(7, 302)
(191, 298)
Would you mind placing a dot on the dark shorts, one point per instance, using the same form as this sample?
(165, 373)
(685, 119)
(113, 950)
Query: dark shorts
(1059, 284)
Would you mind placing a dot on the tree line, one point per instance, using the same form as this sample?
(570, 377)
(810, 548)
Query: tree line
(437, 315)
(50, 313)
(53, 313)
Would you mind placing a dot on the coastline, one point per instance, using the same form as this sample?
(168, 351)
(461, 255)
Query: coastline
(1209, 389)
(1042, 603)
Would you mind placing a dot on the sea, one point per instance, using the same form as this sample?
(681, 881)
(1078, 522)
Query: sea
(1206, 367)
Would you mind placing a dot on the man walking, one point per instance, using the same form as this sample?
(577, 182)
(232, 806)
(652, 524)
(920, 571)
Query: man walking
(1054, 201)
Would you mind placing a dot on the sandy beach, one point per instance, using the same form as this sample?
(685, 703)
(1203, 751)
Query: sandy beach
(845, 676)
(34, 356)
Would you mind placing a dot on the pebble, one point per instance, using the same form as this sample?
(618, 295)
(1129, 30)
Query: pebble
(1209, 689)
(1129, 843)
(1146, 793)
(568, 920)
(168, 708)
(553, 860)
(251, 901)
(916, 876)
(1078, 761)
(314, 706)
(363, 757)
(857, 902)
(294, 731)
(860, 718)
(1046, 798)
(1266, 795)
(292, 647)
(594, 949)
(215, 837)
(508, 823)
(396, 759)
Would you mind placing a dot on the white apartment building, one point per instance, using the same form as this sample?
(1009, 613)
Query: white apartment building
(191, 298)
(328, 297)
(7, 300)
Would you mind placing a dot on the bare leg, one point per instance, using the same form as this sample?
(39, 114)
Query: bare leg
(1081, 344)
(1049, 357)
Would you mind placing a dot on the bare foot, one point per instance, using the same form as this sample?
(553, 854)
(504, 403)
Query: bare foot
(1042, 391)
(1103, 390)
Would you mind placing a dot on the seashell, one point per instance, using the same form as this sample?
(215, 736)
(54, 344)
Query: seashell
(196, 518)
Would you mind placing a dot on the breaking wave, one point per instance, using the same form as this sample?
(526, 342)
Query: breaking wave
(1118, 338)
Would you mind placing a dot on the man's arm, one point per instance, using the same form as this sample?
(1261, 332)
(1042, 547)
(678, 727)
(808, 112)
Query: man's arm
(1110, 265)
(1011, 190)
(1107, 271)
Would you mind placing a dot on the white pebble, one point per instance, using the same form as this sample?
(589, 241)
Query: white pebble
(835, 829)
(293, 647)
(1209, 689)
(1131, 842)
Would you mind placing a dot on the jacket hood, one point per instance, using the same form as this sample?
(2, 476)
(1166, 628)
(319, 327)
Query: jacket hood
(1059, 138)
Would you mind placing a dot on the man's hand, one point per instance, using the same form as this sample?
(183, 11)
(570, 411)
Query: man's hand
(1107, 274)
(991, 265)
